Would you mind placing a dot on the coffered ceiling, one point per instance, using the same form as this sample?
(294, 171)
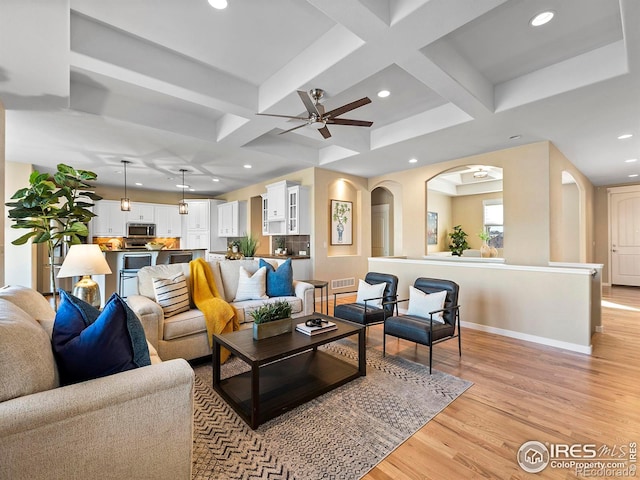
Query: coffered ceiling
(173, 84)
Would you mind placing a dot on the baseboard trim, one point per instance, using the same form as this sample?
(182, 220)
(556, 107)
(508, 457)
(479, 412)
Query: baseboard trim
(574, 347)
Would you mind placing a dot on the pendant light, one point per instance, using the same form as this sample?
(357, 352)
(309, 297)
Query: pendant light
(183, 207)
(125, 204)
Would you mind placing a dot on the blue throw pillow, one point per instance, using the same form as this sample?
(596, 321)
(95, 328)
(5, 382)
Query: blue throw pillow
(280, 281)
(90, 344)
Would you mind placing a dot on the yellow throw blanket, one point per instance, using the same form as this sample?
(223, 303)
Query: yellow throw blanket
(220, 317)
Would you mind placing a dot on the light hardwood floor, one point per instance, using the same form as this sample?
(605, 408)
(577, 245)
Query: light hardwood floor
(524, 391)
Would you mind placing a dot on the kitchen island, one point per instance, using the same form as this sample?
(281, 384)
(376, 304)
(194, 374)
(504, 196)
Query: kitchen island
(109, 283)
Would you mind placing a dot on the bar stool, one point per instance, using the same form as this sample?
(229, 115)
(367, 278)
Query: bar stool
(184, 257)
(321, 284)
(131, 263)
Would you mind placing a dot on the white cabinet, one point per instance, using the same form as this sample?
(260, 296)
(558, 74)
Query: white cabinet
(168, 221)
(141, 212)
(298, 222)
(232, 219)
(293, 200)
(198, 216)
(197, 239)
(109, 221)
(197, 225)
(277, 203)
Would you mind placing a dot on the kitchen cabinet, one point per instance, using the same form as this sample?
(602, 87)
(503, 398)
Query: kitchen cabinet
(109, 221)
(198, 216)
(232, 219)
(168, 221)
(277, 201)
(197, 239)
(298, 222)
(141, 213)
(293, 200)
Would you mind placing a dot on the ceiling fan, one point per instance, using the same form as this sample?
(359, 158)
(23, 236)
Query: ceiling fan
(318, 118)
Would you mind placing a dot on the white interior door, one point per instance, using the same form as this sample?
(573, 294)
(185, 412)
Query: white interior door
(625, 238)
(380, 230)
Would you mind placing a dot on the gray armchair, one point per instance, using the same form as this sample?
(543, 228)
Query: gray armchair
(423, 329)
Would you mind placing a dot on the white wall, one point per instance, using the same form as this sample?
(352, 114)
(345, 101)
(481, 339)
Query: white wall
(19, 261)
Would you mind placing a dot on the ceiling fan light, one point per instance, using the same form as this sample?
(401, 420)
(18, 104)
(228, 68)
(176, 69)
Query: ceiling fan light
(480, 174)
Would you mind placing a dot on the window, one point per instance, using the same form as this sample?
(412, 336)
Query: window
(493, 222)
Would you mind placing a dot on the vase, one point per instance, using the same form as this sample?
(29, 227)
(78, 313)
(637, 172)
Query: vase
(494, 252)
(485, 251)
(272, 329)
(340, 229)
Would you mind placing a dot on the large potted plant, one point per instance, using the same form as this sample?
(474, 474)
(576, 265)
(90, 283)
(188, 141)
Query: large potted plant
(55, 210)
(458, 241)
(271, 319)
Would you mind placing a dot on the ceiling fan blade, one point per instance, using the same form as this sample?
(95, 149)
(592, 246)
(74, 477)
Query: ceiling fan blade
(282, 116)
(294, 128)
(324, 131)
(308, 103)
(346, 121)
(348, 107)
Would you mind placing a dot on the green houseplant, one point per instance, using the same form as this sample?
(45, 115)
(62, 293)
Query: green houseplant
(248, 245)
(458, 241)
(55, 210)
(271, 319)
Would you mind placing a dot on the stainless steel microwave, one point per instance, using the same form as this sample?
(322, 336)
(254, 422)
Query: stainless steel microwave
(141, 230)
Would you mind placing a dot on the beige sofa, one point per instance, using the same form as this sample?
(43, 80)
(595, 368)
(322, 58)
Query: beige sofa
(134, 424)
(184, 335)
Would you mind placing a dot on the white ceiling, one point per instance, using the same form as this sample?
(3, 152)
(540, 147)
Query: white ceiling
(176, 84)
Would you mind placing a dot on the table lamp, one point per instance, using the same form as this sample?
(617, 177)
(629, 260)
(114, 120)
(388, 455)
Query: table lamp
(84, 260)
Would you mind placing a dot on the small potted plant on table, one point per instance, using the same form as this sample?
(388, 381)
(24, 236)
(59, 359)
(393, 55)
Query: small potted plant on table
(271, 319)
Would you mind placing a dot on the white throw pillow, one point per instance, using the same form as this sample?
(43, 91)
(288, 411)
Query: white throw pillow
(366, 291)
(252, 287)
(420, 304)
(172, 294)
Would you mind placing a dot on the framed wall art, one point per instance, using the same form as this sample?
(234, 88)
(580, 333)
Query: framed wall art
(341, 222)
(432, 228)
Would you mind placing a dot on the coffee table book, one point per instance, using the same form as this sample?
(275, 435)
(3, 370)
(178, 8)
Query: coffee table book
(303, 328)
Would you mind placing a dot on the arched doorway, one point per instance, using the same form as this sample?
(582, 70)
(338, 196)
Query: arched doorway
(382, 225)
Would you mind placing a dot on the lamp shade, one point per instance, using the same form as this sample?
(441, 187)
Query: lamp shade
(84, 259)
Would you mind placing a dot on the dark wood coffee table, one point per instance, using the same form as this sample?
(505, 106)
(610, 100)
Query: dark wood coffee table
(286, 370)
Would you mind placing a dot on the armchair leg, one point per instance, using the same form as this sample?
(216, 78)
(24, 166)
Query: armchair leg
(384, 344)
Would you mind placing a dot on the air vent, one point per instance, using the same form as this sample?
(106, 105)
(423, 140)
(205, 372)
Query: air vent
(342, 283)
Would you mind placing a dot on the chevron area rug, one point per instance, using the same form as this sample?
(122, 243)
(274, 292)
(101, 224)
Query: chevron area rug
(340, 435)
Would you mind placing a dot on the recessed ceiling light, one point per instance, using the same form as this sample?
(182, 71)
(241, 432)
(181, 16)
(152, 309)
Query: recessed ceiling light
(138, 184)
(631, 160)
(180, 185)
(633, 175)
(515, 137)
(542, 18)
(215, 179)
(192, 189)
(218, 4)
(624, 136)
(413, 160)
(247, 166)
(384, 93)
